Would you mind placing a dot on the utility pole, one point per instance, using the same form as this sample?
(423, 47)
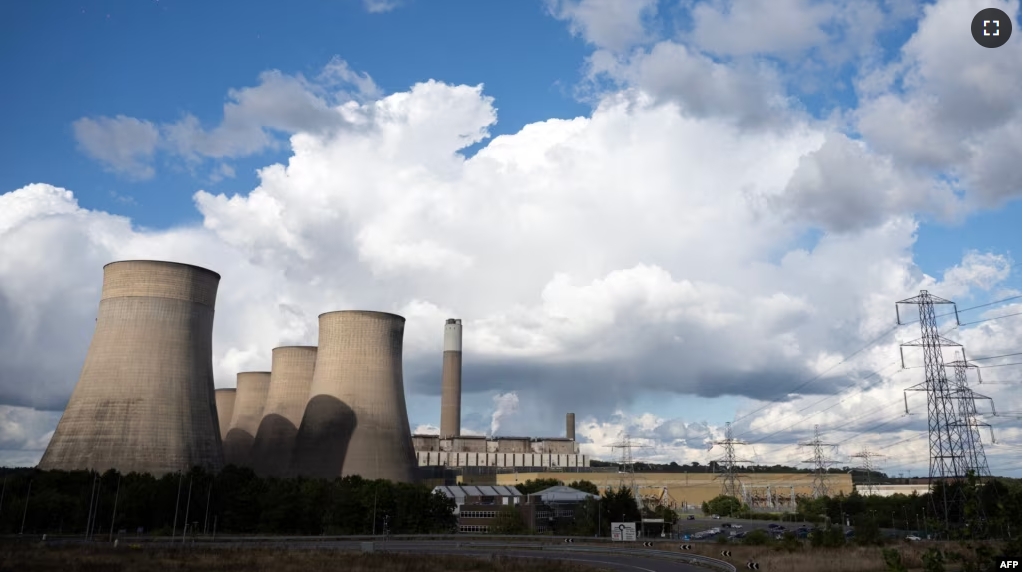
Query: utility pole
(24, 515)
(730, 485)
(188, 505)
(820, 463)
(177, 503)
(944, 429)
(113, 516)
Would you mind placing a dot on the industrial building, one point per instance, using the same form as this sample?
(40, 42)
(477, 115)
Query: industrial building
(291, 375)
(355, 421)
(145, 399)
(482, 451)
(479, 507)
(250, 399)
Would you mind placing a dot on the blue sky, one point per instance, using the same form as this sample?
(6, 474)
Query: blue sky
(836, 98)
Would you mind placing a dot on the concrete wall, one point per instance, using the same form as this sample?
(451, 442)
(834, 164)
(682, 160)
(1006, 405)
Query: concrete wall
(466, 444)
(291, 375)
(225, 409)
(249, 402)
(145, 398)
(356, 421)
(426, 442)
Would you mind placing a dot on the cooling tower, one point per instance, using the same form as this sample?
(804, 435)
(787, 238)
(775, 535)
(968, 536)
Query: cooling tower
(355, 422)
(144, 401)
(291, 374)
(570, 426)
(248, 412)
(451, 381)
(225, 409)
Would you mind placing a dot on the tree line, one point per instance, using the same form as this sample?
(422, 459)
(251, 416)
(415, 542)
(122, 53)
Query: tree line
(989, 509)
(233, 501)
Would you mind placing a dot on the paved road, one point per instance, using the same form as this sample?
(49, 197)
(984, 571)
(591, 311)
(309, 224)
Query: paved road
(623, 562)
(631, 558)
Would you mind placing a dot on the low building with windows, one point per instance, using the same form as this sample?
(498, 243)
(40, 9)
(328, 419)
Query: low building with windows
(477, 507)
(544, 509)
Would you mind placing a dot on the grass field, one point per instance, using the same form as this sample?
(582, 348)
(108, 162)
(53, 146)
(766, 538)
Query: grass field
(33, 558)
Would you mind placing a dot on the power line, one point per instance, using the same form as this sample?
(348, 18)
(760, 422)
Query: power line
(818, 376)
(989, 319)
(995, 357)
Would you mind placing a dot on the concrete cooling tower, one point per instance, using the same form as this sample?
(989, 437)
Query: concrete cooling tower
(355, 422)
(225, 409)
(144, 401)
(291, 374)
(248, 412)
(451, 381)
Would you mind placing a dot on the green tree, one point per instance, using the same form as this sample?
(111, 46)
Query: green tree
(585, 486)
(723, 505)
(509, 521)
(534, 486)
(757, 538)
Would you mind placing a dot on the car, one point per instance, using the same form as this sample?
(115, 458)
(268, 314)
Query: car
(714, 516)
(912, 538)
(726, 525)
(773, 526)
(741, 535)
(736, 526)
(779, 527)
(691, 517)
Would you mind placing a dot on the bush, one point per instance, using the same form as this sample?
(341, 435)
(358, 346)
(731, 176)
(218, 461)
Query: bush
(757, 538)
(893, 561)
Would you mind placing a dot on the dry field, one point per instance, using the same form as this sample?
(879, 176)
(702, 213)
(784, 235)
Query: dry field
(32, 558)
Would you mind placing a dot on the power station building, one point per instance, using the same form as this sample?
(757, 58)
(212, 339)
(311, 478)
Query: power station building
(145, 399)
(451, 449)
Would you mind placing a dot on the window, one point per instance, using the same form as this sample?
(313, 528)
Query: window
(474, 528)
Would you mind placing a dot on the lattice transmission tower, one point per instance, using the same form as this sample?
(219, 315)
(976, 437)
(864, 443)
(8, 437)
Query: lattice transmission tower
(730, 485)
(944, 427)
(627, 473)
(973, 446)
(820, 462)
(868, 466)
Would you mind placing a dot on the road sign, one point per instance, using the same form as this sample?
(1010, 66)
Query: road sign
(623, 531)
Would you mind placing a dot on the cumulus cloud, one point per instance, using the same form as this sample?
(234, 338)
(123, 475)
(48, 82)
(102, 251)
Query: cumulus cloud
(121, 144)
(652, 245)
(609, 24)
(949, 106)
(253, 117)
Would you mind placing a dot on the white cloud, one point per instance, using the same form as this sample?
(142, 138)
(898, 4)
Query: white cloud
(950, 106)
(122, 144)
(591, 259)
(751, 93)
(610, 24)
(252, 119)
(380, 6)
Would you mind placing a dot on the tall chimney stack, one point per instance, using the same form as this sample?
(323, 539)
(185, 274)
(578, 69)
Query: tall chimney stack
(451, 381)
(570, 426)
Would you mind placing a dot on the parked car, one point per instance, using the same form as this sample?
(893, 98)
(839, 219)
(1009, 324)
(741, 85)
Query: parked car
(773, 526)
(714, 516)
(741, 535)
(691, 517)
(912, 538)
(850, 533)
(736, 526)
